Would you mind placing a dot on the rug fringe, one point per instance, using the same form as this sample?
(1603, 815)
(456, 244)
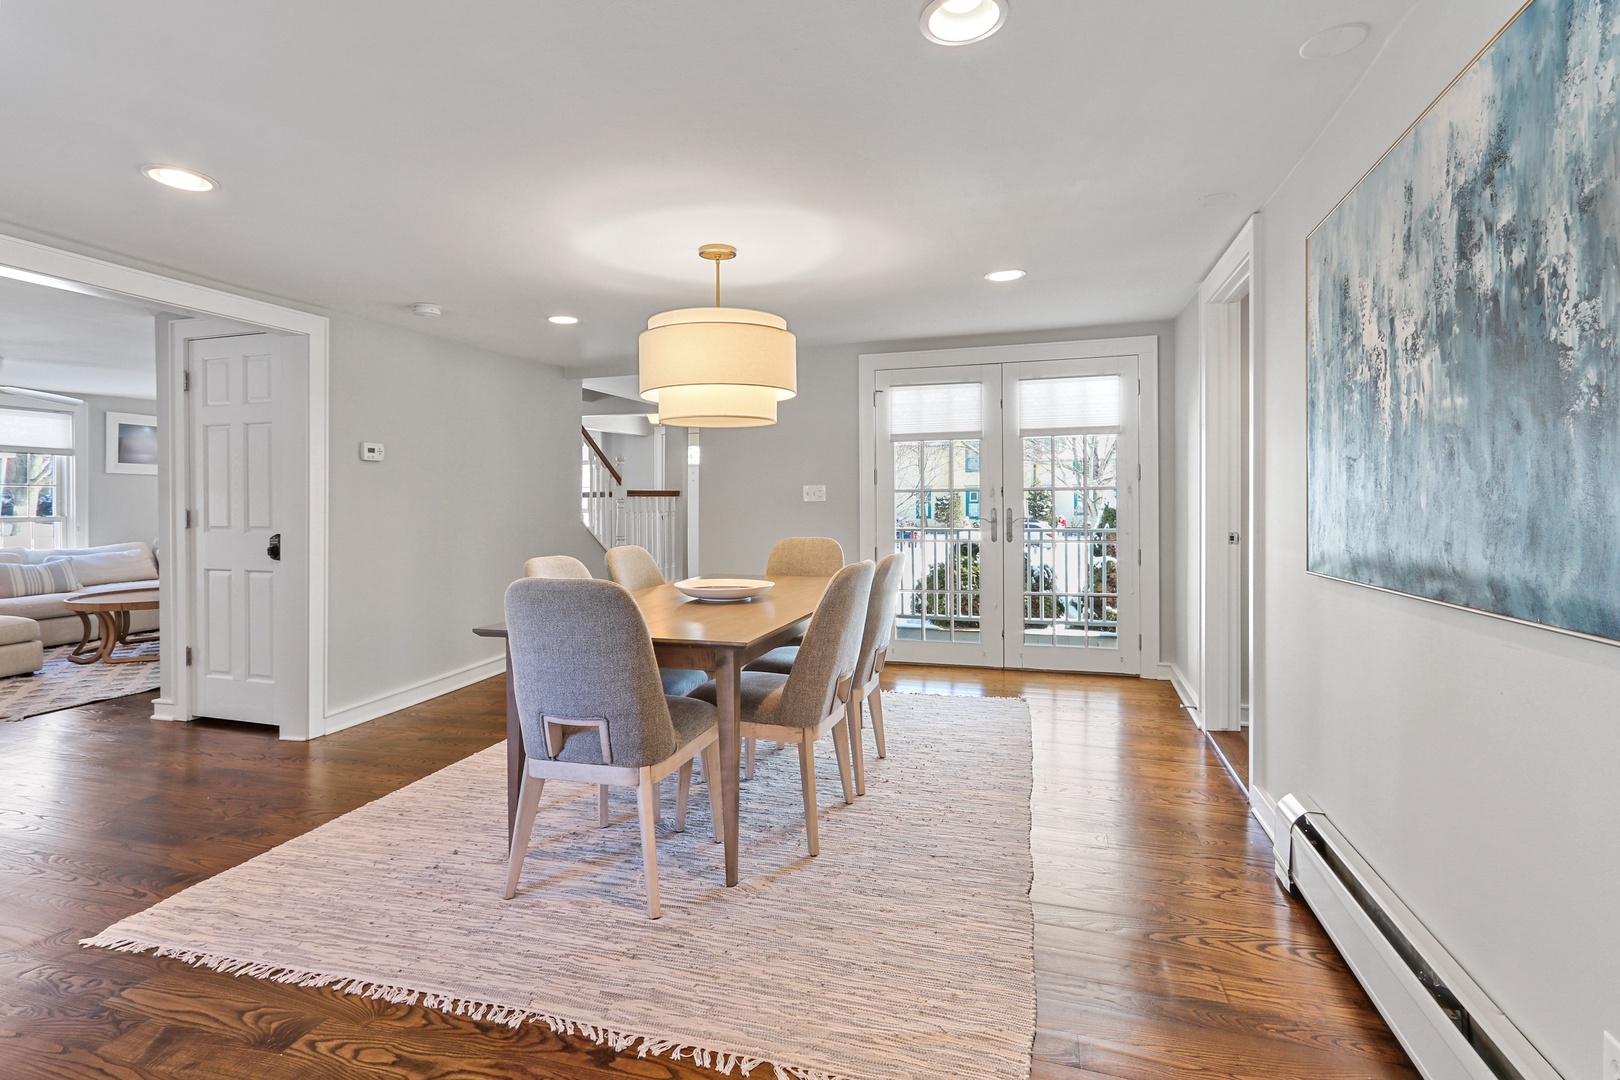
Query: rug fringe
(619, 1041)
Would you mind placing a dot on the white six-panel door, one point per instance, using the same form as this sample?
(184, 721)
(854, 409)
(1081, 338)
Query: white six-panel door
(234, 383)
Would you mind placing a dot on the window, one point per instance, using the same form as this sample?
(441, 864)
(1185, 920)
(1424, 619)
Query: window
(36, 478)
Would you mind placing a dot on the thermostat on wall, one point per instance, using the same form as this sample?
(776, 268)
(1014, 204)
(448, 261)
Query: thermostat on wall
(371, 451)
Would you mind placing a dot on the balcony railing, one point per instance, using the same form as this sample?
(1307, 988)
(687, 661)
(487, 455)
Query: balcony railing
(618, 515)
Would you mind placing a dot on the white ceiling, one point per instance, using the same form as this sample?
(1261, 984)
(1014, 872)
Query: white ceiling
(52, 339)
(510, 160)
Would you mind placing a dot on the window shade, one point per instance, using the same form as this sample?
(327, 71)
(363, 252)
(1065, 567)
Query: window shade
(946, 410)
(32, 429)
(1075, 406)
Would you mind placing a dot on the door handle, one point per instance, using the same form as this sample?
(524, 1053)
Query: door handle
(1010, 520)
(992, 524)
(273, 549)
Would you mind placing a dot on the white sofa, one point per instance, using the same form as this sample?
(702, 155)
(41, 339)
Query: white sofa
(106, 568)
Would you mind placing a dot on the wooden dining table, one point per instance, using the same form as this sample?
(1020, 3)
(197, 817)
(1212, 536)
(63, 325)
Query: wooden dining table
(694, 634)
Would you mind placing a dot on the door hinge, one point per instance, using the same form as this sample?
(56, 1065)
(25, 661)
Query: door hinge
(1139, 472)
(188, 656)
(1138, 556)
(185, 380)
(1138, 642)
(875, 393)
(188, 519)
(1231, 538)
(1138, 387)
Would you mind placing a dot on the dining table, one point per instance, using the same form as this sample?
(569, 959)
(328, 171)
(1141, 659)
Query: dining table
(692, 634)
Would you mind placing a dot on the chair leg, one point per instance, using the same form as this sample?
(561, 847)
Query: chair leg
(840, 739)
(647, 799)
(682, 786)
(522, 829)
(807, 779)
(748, 771)
(711, 767)
(857, 744)
(876, 701)
(602, 805)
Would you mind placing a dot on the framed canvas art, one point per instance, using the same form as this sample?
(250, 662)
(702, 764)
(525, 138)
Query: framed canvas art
(1463, 309)
(132, 445)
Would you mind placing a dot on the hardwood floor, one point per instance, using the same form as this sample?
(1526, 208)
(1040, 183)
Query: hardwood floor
(1233, 746)
(1163, 946)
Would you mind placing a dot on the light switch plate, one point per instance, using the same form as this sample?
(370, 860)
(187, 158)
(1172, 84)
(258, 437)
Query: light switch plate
(1611, 1057)
(371, 451)
(815, 493)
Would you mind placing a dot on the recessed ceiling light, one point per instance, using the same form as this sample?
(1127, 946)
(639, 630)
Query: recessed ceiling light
(1334, 41)
(1004, 275)
(563, 320)
(962, 22)
(176, 177)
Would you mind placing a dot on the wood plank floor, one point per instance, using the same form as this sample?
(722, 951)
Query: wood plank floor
(1233, 746)
(1163, 946)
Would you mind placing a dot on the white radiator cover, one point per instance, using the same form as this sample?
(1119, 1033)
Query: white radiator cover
(1382, 941)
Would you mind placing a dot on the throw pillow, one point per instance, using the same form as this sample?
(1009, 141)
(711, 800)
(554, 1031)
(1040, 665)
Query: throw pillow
(107, 567)
(21, 579)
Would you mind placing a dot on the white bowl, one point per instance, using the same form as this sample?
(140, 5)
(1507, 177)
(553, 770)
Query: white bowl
(724, 590)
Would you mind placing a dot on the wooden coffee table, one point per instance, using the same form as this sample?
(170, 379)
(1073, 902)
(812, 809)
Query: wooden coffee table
(111, 610)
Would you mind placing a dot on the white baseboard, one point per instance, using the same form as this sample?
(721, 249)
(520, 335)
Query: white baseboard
(1184, 690)
(415, 694)
(1264, 809)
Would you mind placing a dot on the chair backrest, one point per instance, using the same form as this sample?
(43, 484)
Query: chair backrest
(880, 611)
(581, 651)
(831, 645)
(633, 567)
(556, 566)
(805, 556)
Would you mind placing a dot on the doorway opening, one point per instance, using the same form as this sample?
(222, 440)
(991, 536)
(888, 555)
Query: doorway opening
(296, 456)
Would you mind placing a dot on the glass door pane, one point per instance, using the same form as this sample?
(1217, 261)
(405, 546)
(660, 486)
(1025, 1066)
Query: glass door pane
(934, 429)
(1072, 442)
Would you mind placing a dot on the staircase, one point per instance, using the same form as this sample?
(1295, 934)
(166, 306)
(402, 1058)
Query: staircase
(618, 515)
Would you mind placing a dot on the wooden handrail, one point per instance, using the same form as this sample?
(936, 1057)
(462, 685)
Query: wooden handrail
(640, 493)
(606, 464)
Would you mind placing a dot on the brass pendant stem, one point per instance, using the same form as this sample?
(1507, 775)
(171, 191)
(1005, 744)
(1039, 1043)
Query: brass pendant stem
(718, 253)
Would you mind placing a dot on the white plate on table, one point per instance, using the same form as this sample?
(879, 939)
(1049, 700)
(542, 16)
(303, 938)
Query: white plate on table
(724, 590)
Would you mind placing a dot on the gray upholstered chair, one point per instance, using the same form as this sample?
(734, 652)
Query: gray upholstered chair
(805, 556)
(592, 711)
(555, 566)
(635, 569)
(880, 610)
(814, 700)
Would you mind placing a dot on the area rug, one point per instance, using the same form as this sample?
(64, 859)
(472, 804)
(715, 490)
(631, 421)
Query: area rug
(62, 684)
(904, 950)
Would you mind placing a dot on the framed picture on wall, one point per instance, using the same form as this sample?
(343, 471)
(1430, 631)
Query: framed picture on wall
(132, 445)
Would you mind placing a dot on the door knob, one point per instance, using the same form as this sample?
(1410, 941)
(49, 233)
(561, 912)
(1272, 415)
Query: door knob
(273, 549)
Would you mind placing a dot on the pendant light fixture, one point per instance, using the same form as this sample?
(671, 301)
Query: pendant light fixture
(719, 366)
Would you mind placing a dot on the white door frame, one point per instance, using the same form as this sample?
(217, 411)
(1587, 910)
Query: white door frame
(1226, 539)
(28, 261)
(1146, 351)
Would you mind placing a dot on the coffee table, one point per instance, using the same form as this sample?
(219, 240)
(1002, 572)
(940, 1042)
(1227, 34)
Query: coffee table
(111, 610)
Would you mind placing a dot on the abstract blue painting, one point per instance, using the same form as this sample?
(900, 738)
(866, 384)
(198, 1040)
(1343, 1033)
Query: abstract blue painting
(1464, 339)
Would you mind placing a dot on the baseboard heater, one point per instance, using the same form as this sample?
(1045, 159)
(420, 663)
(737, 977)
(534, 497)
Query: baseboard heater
(1446, 1023)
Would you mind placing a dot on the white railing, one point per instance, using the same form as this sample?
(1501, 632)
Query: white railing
(618, 515)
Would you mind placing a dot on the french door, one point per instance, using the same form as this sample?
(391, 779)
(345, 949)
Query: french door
(1009, 492)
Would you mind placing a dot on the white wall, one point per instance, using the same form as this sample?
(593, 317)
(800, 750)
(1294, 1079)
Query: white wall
(122, 507)
(1472, 761)
(753, 478)
(481, 473)
(1180, 526)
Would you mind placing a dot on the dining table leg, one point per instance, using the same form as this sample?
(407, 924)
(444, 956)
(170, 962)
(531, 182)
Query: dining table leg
(728, 702)
(514, 748)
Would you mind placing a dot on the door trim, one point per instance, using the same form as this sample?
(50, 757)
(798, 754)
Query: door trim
(29, 261)
(1146, 351)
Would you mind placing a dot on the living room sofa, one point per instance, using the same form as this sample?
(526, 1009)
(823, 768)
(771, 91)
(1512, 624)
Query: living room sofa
(107, 568)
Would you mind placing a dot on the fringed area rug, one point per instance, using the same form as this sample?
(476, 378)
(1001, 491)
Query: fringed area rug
(904, 950)
(62, 684)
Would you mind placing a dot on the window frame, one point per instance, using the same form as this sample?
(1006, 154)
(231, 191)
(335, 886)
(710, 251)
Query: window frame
(72, 492)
